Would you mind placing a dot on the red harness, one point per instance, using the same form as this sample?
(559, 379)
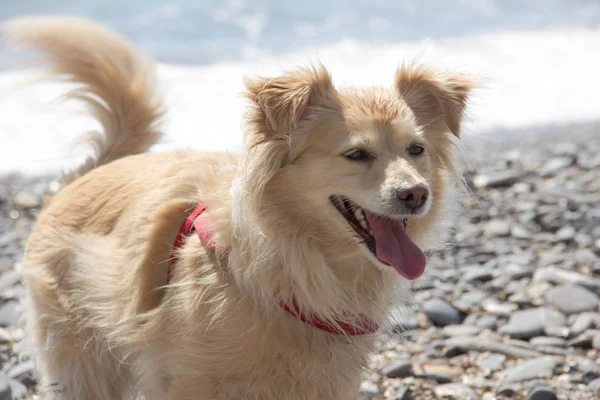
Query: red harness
(206, 230)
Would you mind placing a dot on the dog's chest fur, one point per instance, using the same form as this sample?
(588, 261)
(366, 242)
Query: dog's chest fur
(240, 351)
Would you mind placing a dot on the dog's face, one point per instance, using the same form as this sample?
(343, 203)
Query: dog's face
(369, 163)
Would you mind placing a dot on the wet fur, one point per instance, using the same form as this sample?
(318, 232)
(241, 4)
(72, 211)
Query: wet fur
(103, 321)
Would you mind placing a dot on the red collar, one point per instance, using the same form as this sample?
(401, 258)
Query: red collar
(206, 230)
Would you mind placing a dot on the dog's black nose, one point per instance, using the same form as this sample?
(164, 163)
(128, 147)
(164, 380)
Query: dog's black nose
(414, 196)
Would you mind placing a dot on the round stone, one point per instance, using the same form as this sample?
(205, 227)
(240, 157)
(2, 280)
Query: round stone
(542, 393)
(572, 299)
(441, 313)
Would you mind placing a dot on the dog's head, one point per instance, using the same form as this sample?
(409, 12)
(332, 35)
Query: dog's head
(366, 166)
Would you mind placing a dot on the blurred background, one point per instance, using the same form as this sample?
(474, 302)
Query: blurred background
(535, 57)
(510, 310)
(204, 32)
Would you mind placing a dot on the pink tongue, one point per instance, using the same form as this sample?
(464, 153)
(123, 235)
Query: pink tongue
(394, 247)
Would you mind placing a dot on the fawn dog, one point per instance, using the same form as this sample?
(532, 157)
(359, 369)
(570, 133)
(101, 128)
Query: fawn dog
(263, 275)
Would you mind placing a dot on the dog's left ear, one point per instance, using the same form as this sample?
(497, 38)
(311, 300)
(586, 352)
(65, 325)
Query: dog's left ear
(438, 100)
(283, 102)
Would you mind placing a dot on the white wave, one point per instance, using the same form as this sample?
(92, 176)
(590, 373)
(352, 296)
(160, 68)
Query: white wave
(532, 77)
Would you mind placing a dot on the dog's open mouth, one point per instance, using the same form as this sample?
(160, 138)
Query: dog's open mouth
(385, 238)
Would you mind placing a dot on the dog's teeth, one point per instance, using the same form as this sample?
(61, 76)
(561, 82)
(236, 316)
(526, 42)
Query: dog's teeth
(358, 214)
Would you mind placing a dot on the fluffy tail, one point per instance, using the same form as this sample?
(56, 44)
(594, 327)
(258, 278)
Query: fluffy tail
(115, 83)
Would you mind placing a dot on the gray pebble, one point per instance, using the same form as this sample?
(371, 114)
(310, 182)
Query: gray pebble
(583, 240)
(25, 199)
(588, 366)
(439, 378)
(560, 276)
(554, 165)
(572, 299)
(554, 321)
(522, 187)
(5, 337)
(552, 351)
(476, 274)
(9, 279)
(19, 391)
(456, 391)
(542, 341)
(470, 300)
(547, 259)
(519, 232)
(402, 393)
(402, 369)
(565, 234)
(525, 206)
(487, 321)
(497, 228)
(5, 390)
(491, 362)
(589, 376)
(507, 390)
(16, 292)
(585, 256)
(584, 340)
(470, 319)
(12, 237)
(556, 330)
(441, 313)
(595, 268)
(408, 324)
(468, 233)
(583, 322)
(565, 149)
(423, 283)
(10, 314)
(542, 393)
(407, 321)
(495, 307)
(498, 284)
(526, 324)
(458, 345)
(20, 369)
(369, 389)
(595, 386)
(516, 272)
(596, 342)
(524, 259)
(461, 330)
(514, 287)
(497, 179)
(542, 367)
(522, 300)
(589, 162)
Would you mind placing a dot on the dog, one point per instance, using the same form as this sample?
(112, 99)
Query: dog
(263, 275)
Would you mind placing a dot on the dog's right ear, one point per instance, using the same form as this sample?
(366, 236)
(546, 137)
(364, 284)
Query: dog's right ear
(283, 102)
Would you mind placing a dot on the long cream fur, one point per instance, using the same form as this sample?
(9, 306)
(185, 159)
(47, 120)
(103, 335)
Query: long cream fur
(104, 322)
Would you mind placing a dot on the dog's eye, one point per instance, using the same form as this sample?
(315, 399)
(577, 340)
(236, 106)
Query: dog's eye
(416, 150)
(358, 155)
